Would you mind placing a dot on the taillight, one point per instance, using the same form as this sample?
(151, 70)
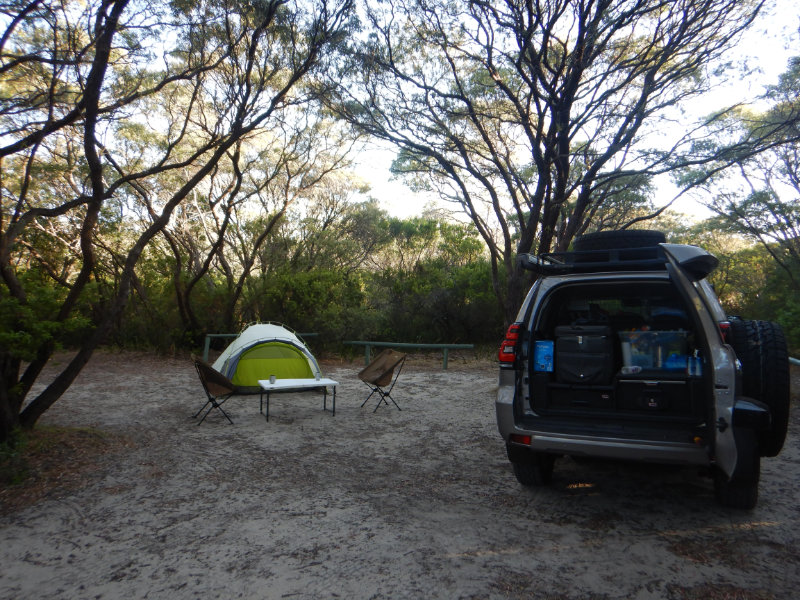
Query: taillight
(508, 349)
(724, 329)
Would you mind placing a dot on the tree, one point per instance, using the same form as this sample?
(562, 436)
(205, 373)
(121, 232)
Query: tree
(192, 80)
(535, 116)
(765, 207)
(334, 232)
(225, 228)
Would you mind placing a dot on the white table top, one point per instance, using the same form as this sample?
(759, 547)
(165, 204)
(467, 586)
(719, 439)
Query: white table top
(295, 384)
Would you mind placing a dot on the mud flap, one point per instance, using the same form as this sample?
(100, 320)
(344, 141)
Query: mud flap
(740, 490)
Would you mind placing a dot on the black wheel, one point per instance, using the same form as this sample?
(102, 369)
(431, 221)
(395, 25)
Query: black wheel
(761, 348)
(623, 238)
(537, 472)
(741, 490)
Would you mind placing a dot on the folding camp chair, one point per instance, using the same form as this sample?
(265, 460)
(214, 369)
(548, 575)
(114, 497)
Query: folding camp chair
(218, 388)
(378, 374)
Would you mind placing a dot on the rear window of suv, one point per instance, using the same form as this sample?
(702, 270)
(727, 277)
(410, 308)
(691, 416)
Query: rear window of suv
(625, 306)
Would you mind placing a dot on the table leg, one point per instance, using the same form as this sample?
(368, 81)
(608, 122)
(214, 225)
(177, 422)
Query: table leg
(267, 412)
(333, 413)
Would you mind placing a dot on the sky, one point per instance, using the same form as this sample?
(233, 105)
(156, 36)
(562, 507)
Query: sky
(770, 42)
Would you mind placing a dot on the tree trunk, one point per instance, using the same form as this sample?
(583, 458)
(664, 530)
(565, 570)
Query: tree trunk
(9, 400)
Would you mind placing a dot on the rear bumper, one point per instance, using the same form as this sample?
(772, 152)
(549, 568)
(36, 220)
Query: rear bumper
(601, 446)
(614, 448)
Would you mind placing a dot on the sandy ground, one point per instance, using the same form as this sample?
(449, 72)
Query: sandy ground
(418, 503)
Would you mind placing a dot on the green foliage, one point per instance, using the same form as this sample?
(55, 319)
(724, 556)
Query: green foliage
(776, 300)
(788, 315)
(356, 275)
(439, 303)
(320, 301)
(26, 326)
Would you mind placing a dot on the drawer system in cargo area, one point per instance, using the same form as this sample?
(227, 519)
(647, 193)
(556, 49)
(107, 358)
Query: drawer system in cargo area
(677, 396)
(591, 368)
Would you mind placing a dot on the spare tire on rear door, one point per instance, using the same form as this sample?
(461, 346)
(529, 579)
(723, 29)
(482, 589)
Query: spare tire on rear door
(622, 238)
(761, 348)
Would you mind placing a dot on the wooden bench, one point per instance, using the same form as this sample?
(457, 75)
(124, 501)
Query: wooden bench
(445, 348)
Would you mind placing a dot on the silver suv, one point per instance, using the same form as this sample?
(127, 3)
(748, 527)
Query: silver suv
(621, 350)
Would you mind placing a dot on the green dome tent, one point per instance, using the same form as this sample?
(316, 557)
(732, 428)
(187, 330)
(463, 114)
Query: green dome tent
(265, 349)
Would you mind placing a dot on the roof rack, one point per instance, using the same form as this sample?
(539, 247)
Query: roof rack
(693, 259)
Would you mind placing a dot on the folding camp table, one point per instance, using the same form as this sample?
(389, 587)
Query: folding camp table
(297, 385)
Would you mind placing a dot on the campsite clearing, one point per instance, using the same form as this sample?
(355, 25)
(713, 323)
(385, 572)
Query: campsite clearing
(418, 503)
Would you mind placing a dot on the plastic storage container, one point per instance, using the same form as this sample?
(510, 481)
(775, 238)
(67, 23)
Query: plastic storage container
(667, 350)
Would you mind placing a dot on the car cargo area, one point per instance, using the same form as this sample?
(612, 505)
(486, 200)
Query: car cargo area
(624, 354)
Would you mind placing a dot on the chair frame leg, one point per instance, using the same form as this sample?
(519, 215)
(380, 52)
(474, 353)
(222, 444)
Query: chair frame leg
(384, 396)
(370, 395)
(214, 404)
